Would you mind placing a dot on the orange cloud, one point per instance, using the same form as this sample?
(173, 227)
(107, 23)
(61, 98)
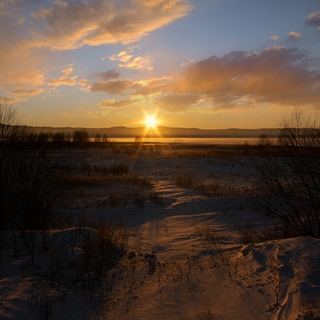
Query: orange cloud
(178, 102)
(7, 6)
(74, 24)
(21, 78)
(143, 87)
(122, 56)
(294, 35)
(18, 68)
(274, 38)
(112, 103)
(67, 71)
(83, 82)
(9, 100)
(63, 81)
(277, 75)
(137, 63)
(26, 92)
(108, 75)
(274, 75)
(313, 19)
(113, 86)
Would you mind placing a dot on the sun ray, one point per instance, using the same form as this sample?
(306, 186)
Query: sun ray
(151, 121)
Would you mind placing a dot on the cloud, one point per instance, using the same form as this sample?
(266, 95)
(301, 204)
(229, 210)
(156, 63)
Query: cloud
(293, 35)
(313, 19)
(20, 21)
(143, 87)
(69, 25)
(18, 68)
(113, 86)
(20, 78)
(122, 56)
(10, 100)
(276, 75)
(66, 71)
(108, 75)
(83, 82)
(7, 6)
(274, 38)
(178, 102)
(66, 115)
(112, 103)
(137, 63)
(26, 92)
(63, 81)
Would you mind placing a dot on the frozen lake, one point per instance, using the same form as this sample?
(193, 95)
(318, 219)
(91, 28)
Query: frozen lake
(223, 141)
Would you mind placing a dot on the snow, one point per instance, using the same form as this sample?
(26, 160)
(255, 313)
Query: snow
(184, 259)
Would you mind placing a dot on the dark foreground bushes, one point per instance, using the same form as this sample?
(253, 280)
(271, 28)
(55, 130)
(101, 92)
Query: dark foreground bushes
(289, 175)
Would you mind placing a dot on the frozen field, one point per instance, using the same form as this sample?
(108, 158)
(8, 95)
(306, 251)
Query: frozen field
(195, 247)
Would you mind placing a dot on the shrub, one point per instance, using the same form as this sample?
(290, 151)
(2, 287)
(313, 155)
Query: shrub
(247, 233)
(29, 194)
(119, 169)
(80, 136)
(289, 174)
(184, 180)
(154, 197)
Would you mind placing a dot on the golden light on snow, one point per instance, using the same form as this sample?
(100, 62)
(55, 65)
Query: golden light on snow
(151, 121)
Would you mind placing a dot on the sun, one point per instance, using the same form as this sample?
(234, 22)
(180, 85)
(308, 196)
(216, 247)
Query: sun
(151, 121)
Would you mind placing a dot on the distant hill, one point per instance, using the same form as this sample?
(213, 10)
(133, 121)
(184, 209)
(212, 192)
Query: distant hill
(166, 132)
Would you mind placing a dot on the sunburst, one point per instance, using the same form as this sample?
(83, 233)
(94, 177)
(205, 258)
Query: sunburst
(151, 121)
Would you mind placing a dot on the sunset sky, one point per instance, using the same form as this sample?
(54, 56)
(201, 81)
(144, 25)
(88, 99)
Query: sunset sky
(208, 64)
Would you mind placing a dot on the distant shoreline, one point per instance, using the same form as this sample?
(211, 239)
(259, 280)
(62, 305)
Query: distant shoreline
(191, 141)
(164, 132)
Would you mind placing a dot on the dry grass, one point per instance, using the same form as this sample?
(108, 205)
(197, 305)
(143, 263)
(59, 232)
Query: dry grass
(155, 198)
(247, 233)
(205, 234)
(214, 189)
(77, 180)
(184, 180)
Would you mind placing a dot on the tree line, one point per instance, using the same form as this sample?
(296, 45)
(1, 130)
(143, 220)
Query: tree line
(78, 136)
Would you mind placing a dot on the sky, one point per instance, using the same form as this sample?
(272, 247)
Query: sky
(209, 64)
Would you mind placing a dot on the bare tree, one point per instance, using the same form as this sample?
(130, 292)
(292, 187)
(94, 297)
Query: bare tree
(289, 172)
(97, 137)
(10, 133)
(29, 192)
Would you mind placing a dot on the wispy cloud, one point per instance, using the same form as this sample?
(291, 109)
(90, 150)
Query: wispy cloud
(63, 81)
(27, 92)
(113, 86)
(293, 35)
(108, 75)
(10, 100)
(277, 75)
(137, 63)
(67, 71)
(178, 102)
(20, 21)
(274, 38)
(313, 19)
(112, 103)
(69, 25)
(122, 56)
(129, 61)
(84, 82)
(11, 77)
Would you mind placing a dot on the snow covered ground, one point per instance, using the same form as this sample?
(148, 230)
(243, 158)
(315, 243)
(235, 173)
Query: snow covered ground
(184, 258)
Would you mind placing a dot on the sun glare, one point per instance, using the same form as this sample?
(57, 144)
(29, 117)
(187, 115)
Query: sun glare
(151, 121)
